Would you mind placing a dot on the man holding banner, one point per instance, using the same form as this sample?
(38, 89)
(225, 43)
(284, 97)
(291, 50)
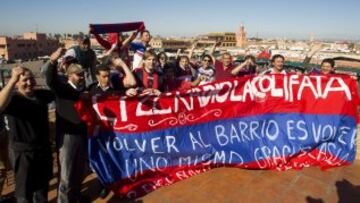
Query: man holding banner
(116, 39)
(289, 122)
(139, 48)
(277, 65)
(114, 29)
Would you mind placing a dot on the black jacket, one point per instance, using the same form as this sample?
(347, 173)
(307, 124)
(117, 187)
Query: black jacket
(67, 118)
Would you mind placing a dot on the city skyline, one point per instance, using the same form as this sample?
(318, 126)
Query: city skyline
(279, 19)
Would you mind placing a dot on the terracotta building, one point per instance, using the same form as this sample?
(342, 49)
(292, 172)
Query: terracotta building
(227, 39)
(28, 46)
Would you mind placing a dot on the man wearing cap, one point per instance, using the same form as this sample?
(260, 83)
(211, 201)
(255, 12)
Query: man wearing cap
(71, 131)
(86, 57)
(66, 61)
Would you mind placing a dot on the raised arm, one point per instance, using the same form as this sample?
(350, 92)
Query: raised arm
(51, 70)
(212, 50)
(129, 79)
(104, 43)
(177, 54)
(313, 50)
(6, 92)
(192, 49)
(128, 40)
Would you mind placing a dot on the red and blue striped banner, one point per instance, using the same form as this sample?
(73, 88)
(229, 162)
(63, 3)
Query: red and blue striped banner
(264, 122)
(116, 27)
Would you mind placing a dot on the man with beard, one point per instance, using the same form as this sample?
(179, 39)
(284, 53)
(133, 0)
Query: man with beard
(70, 130)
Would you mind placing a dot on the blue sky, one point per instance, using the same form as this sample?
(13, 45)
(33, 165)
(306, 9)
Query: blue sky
(275, 19)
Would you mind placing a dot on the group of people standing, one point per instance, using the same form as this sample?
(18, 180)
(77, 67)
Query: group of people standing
(75, 73)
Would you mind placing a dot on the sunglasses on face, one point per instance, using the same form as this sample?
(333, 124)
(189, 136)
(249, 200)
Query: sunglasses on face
(206, 60)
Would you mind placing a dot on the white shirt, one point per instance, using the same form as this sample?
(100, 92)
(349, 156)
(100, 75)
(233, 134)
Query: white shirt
(209, 74)
(75, 87)
(272, 71)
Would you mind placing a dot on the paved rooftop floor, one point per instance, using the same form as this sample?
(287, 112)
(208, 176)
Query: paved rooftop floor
(239, 185)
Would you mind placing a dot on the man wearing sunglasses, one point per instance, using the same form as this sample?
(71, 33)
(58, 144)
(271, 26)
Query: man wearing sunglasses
(206, 73)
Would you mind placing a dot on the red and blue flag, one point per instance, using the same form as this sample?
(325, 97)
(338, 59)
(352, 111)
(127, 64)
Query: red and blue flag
(276, 122)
